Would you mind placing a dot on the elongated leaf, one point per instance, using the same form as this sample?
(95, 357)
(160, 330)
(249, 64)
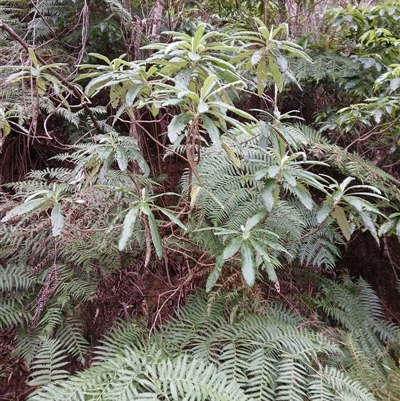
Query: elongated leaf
(57, 219)
(122, 158)
(215, 273)
(270, 193)
(342, 222)
(257, 56)
(231, 154)
(173, 218)
(398, 228)
(386, 227)
(212, 130)
(248, 270)
(232, 248)
(289, 178)
(5, 126)
(325, 210)
(304, 196)
(203, 107)
(197, 38)
(101, 57)
(194, 193)
(233, 109)
(254, 220)
(25, 208)
(262, 76)
(155, 234)
(207, 87)
(177, 125)
(277, 75)
(369, 224)
(132, 94)
(266, 259)
(127, 228)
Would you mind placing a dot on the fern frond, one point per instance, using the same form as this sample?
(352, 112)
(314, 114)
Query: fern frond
(13, 313)
(326, 66)
(344, 387)
(15, 278)
(47, 363)
(291, 381)
(201, 355)
(70, 334)
(116, 342)
(176, 379)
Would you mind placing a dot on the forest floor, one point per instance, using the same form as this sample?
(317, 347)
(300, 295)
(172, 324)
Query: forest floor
(154, 298)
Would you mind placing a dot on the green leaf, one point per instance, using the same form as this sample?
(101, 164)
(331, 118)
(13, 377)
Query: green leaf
(228, 252)
(212, 130)
(172, 217)
(25, 208)
(202, 107)
(369, 224)
(122, 158)
(248, 270)
(257, 56)
(194, 193)
(277, 75)
(266, 259)
(57, 219)
(132, 94)
(233, 109)
(155, 234)
(342, 222)
(33, 57)
(207, 87)
(173, 102)
(262, 76)
(254, 220)
(303, 195)
(289, 178)
(325, 210)
(5, 126)
(127, 228)
(398, 228)
(386, 227)
(194, 56)
(177, 125)
(215, 273)
(270, 193)
(196, 40)
(232, 248)
(101, 57)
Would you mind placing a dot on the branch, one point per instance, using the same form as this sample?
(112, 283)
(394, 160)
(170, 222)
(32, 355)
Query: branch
(74, 89)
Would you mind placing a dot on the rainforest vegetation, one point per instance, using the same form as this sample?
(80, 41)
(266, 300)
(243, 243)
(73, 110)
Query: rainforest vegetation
(199, 200)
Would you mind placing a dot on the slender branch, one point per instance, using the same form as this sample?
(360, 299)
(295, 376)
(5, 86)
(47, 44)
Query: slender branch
(72, 87)
(372, 132)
